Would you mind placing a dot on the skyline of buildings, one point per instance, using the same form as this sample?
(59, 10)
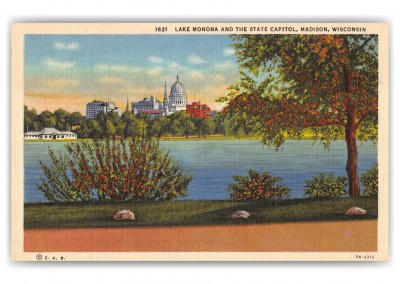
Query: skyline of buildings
(174, 102)
(103, 67)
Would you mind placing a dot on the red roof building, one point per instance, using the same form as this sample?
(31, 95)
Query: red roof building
(152, 112)
(196, 109)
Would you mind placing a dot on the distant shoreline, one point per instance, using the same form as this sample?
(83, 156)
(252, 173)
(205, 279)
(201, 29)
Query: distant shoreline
(179, 138)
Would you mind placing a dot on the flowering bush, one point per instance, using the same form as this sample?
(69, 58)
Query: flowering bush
(257, 186)
(113, 170)
(326, 186)
(369, 180)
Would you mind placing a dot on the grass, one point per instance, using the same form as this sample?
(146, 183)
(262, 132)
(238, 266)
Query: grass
(193, 213)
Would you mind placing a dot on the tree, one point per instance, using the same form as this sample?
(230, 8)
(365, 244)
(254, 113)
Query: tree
(31, 122)
(155, 126)
(130, 125)
(325, 83)
(176, 124)
(62, 117)
(219, 122)
(47, 119)
(75, 118)
(110, 129)
(143, 124)
(188, 127)
(204, 126)
(111, 124)
(164, 127)
(117, 122)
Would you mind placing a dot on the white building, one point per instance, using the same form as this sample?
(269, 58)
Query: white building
(96, 107)
(176, 101)
(50, 134)
(177, 97)
(146, 105)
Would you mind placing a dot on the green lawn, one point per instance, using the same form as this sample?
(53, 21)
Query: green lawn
(192, 213)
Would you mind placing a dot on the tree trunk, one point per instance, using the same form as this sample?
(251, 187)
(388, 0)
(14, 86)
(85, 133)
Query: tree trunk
(350, 129)
(351, 167)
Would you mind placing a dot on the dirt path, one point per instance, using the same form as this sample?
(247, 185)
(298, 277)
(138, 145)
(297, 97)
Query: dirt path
(288, 237)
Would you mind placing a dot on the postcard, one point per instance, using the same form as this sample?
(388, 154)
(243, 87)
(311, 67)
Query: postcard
(200, 142)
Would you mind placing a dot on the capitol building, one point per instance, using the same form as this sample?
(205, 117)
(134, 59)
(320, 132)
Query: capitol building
(175, 101)
(177, 98)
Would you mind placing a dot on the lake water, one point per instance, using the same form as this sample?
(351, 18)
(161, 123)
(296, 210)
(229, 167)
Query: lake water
(213, 163)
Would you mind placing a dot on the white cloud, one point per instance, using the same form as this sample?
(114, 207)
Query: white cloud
(155, 59)
(59, 64)
(228, 51)
(66, 46)
(153, 72)
(195, 59)
(117, 68)
(197, 76)
(174, 64)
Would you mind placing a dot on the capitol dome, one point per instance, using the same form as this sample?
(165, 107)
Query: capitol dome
(177, 87)
(177, 97)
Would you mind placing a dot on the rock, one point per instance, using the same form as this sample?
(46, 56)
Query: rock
(240, 214)
(124, 215)
(356, 211)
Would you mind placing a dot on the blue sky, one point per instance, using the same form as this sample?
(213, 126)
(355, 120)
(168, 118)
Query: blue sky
(66, 71)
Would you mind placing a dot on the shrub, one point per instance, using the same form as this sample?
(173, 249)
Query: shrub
(113, 170)
(257, 186)
(326, 186)
(369, 180)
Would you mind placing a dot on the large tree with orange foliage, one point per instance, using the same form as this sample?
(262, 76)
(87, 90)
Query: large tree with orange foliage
(327, 84)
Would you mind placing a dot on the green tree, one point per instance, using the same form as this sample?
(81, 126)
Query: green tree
(31, 121)
(130, 125)
(219, 123)
(176, 124)
(117, 123)
(188, 127)
(204, 126)
(143, 124)
(75, 118)
(155, 128)
(164, 125)
(95, 131)
(110, 129)
(325, 83)
(47, 119)
(62, 117)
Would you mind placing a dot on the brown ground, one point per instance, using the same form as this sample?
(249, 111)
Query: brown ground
(346, 236)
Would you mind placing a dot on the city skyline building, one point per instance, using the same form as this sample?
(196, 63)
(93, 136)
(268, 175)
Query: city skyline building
(95, 107)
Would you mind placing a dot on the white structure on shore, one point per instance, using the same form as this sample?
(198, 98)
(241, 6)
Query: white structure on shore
(176, 101)
(50, 134)
(177, 98)
(96, 107)
(146, 105)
